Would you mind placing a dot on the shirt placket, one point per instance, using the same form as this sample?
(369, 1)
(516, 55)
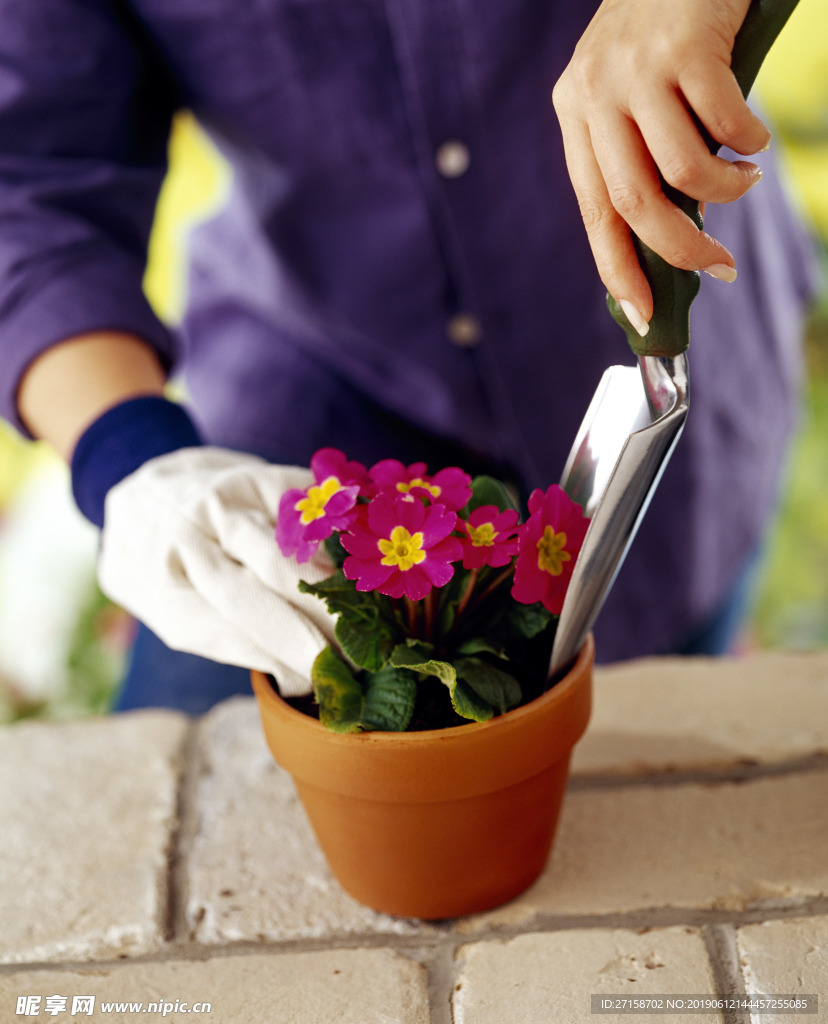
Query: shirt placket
(433, 48)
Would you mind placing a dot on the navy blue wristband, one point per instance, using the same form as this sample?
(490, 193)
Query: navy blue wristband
(121, 440)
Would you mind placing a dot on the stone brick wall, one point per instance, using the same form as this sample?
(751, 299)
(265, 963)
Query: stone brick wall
(149, 858)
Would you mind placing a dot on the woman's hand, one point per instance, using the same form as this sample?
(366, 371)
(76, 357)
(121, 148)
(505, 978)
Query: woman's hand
(625, 105)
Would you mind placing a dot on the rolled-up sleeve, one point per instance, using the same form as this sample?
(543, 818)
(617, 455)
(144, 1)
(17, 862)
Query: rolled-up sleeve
(85, 112)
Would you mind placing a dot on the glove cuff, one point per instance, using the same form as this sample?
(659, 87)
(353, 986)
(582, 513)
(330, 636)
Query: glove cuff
(122, 439)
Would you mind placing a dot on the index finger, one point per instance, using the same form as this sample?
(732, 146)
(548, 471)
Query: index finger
(636, 193)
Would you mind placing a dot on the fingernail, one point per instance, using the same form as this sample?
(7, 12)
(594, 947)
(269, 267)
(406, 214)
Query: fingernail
(721, 271)
(634, 316)
(766, 147)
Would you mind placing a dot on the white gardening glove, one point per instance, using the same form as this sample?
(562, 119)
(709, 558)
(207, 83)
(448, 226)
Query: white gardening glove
(188, 547)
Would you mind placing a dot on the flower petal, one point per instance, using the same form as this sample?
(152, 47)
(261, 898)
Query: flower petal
(437, 573)
(527, 589)
(438, 524)
(328, 462)
(416, 583)
(361, 544)
(451, 487)
(369, 575)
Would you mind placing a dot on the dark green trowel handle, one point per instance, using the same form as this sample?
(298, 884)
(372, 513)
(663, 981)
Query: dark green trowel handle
(674, 289)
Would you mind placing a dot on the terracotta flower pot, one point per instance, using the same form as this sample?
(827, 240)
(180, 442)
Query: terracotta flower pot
(440, 823)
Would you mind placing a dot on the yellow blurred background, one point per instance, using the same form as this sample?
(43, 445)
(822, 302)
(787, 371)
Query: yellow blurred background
(793, 88)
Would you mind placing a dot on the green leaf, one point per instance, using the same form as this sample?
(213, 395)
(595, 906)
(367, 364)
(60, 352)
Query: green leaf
(336, 553)
(386, 702)
(479, 645)
(389, 700)
(467, 704)
(338, 593)
(364, 634)
(415, 655)
(367, 645)
(529, 619)
(337, 692)
(486, 490)
(494, 686)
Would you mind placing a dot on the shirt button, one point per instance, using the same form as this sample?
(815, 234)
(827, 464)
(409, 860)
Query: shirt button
(464, 330)
(452, 159)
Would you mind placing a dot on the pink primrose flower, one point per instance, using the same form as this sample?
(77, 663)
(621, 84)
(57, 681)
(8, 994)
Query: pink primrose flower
(308, 517)
(401, 547)
(490, 537)
(328, 462)
(548, 544)
(449, 487)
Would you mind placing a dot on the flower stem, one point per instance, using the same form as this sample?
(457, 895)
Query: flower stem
(467, 593)
(411, 611)
(496, 582)
(428, 607)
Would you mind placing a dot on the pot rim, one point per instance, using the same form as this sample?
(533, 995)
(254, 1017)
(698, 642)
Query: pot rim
(459, 761)
(557, 694)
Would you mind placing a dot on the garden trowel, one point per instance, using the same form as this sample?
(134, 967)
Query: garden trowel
(638, 413)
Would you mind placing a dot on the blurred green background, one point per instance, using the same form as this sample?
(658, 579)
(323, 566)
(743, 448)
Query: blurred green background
(792, 601)
(63, 646)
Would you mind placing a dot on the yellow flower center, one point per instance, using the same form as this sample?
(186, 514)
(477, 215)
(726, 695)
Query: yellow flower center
(313, 506)
(404, 549)
(482, 536)
(405, 488)
(551, 554)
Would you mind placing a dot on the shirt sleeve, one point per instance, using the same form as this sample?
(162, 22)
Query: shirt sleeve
(85, 112)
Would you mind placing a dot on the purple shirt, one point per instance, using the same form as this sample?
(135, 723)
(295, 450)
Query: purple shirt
(402, 247)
